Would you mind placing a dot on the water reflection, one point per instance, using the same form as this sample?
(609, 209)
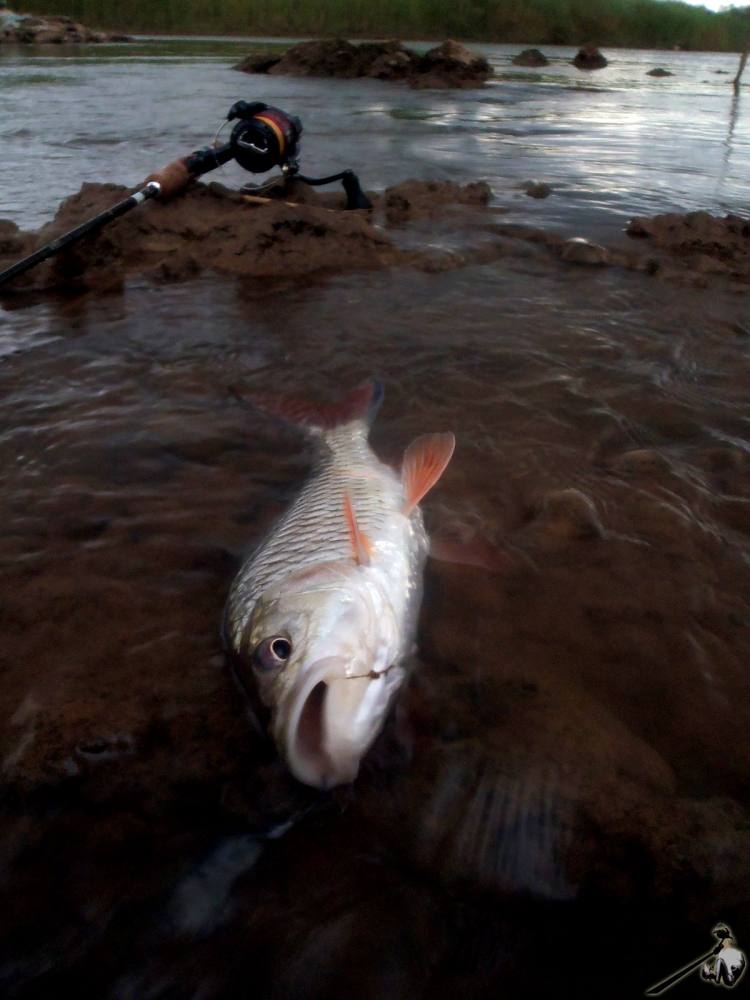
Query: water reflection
(666, 152)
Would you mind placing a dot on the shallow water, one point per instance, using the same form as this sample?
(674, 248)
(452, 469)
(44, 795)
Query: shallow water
(616, 142)
(560, 804)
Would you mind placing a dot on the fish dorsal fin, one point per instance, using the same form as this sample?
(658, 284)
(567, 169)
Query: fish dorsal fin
(425, 461)
(361, 403)
(361, 544)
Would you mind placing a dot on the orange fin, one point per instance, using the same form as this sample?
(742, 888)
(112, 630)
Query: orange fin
(361, 545)
(424, 463)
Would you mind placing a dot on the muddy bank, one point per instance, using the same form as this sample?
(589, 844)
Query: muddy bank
(301, 232)
(450, 65)
(295, 233)
(21, 29)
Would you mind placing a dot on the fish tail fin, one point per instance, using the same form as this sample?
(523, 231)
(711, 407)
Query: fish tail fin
(361, 404)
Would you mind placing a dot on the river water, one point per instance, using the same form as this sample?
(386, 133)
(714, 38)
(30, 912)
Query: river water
(561, 803)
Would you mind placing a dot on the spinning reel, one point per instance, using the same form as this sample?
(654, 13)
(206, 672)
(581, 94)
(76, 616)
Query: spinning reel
(265, 137)
(262, 138)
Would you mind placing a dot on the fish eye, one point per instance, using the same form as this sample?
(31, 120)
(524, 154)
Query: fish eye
(272, 653)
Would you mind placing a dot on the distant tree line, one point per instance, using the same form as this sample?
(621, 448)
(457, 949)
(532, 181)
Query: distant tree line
(636, 23)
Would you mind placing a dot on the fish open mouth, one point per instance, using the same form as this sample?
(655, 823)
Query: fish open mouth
(330, 721)
(309, 738)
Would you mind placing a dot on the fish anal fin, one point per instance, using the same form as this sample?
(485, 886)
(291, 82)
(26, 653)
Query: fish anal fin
(424, 463)
(470, 552)
(362, 547)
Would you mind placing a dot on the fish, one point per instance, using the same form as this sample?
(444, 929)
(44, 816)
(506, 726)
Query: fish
(321, 619)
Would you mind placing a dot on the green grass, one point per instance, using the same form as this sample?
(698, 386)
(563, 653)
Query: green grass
(636, 23)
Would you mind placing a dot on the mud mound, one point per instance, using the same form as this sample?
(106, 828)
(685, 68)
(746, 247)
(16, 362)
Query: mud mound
(210, 227)
(589, 57)
(530, 57)
(446, 66)
(700, 241)
(15, 29)
(419, 199)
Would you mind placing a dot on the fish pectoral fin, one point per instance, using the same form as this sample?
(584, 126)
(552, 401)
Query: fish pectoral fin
(362, 547)
(425, 461)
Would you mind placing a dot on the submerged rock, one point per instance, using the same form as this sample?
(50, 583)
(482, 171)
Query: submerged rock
(589, 57)
(530, 57)
(569, 514)
(658, 71)
(446, 65)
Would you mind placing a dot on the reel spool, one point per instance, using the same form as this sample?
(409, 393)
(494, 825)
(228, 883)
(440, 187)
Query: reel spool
(264, 137)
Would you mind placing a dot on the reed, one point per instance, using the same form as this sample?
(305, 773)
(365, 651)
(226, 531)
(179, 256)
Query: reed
(636, 23)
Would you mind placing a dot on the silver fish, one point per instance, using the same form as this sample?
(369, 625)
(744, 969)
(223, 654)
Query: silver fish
(323, 614)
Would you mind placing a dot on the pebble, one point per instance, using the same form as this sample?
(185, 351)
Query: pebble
(580, 251)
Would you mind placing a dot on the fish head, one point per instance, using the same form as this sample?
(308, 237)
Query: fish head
(323, 645)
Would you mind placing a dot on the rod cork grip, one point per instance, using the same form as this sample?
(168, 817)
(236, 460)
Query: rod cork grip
(173, 178)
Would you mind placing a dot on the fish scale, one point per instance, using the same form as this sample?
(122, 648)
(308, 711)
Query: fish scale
(314, 529)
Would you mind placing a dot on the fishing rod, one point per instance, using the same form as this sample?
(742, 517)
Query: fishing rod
(262, 139)
(725, 938)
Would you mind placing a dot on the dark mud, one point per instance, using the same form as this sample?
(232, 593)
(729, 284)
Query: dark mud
(568, 774)
(295, 233)
(446, 66)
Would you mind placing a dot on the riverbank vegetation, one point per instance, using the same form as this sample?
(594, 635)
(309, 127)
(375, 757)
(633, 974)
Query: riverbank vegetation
(631, 23)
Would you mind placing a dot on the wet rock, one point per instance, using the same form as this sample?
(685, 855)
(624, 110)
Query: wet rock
(536, 189)
(418, 199)
(530, 57)
(447, 65)
(589, 57)
(658, 71)
(580, 251)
